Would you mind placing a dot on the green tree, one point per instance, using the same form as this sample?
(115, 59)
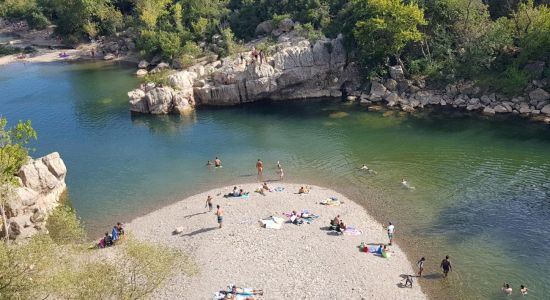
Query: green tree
(13, 154)
(383, 28)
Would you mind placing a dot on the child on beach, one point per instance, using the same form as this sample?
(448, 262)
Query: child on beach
(446, 266)
(420, 265)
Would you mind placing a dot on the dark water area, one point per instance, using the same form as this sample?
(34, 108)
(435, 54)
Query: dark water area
(482, 186)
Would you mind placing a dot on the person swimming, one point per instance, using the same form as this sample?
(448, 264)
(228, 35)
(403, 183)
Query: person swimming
(523, 290)
(507, 289)
(406, 184)
(367, 169)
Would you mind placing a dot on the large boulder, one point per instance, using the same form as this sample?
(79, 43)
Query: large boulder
(286, 25)
(396, 72)
(55, 165)
(255, 71)
(546, 109)
(159, 100)
(36, 175)
(137, 101)
(377, 90)
(264, 28)
(539, 95)
(535, 69)
(182, 80)
(143, 64)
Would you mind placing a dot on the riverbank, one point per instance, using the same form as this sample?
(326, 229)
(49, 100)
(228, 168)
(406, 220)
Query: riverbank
(297, 261)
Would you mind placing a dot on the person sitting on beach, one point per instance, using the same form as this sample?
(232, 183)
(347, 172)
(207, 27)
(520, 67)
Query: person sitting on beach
(120, 230)
(265, 187)
(507, 289)
(342, 227)
(114, 234)
(234, 193)
(335, 222)
(523, 290)
(242, 193)
(106, 241)
(217, 163)
(303, 190)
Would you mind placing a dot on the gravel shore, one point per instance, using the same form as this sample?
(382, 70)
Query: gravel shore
(295, 262)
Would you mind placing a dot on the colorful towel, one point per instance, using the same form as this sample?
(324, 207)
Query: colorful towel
(331, 202)
(352, 231)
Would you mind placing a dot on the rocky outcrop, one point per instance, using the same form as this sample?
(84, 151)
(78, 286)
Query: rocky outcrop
(42, 182)
(158, 99)
(298, 70)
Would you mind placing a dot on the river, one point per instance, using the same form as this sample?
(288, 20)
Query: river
(482, 186)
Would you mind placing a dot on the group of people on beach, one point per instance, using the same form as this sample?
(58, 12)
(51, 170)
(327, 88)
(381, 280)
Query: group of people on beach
(117, 233)
(259, 167)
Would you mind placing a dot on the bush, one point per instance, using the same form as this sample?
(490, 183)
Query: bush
(157, 78)
(37, 20)
(278, 18)
(169, 43)
(230, 47)
(64, 226)
(309, 32)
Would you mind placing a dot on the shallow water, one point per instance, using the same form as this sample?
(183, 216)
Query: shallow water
(482, 186)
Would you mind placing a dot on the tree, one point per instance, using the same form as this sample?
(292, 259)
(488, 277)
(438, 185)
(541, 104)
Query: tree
(13, 154)
(383, 28)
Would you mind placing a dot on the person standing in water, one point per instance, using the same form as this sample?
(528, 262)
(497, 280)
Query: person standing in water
(260, 168)
(217, 163)
(446, 266)
(420, 265)
(523, 290)
(391, 230)
(219, 213)
(209, 202)
(280, 170)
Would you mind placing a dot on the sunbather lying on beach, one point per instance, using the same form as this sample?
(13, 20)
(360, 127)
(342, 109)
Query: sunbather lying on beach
(303, 190)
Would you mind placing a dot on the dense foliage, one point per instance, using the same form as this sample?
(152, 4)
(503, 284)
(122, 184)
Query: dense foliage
(485, 40)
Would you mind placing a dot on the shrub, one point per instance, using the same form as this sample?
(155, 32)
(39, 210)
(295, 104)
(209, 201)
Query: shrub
(307, 31)
(157, 78)
(64, 226)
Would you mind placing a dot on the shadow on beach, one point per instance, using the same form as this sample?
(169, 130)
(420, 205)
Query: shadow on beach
(203, 230)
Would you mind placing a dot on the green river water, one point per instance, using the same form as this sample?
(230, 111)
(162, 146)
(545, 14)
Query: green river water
(482, 185)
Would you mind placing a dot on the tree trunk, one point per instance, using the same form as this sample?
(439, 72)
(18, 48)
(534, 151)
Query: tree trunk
(5, 222)
(402, 65)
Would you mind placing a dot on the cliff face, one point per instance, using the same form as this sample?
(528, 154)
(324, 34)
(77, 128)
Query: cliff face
(297, 70)
(42, 181)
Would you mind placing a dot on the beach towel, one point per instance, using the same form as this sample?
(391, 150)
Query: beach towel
(272, 223)
(279, 189)
(352, 231)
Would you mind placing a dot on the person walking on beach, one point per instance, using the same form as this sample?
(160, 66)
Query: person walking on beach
(219, 213)
(260, 168)
(420, 265)
(209, 203)
(391, 230)
(280, 170)
(446, 266)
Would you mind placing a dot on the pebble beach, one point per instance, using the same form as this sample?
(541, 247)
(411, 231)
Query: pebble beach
(305, 261)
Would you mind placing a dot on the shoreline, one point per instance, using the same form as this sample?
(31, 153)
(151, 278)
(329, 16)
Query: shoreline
(270, 259)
